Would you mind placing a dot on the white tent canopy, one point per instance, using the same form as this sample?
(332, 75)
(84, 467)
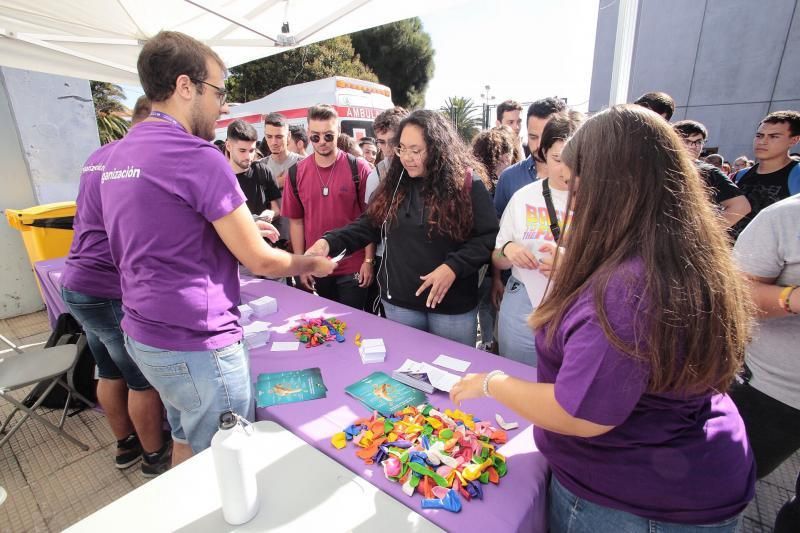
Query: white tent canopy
(101, 39)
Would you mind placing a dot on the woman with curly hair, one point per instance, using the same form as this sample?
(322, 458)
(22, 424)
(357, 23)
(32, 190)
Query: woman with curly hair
(496, 150)
(438, 226)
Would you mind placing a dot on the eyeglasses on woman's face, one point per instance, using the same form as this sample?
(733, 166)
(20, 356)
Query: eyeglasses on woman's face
(415, 154)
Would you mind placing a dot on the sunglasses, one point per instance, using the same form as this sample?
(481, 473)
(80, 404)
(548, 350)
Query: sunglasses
(316, 137)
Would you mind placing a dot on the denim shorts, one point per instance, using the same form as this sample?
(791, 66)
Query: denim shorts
(515, 338)
(100, 318)
(568, 513)
(461, 328)
(196, 387)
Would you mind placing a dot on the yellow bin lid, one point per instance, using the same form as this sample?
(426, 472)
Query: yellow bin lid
(23, 217)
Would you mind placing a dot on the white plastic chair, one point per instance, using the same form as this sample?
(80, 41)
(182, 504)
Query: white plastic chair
(33, 366)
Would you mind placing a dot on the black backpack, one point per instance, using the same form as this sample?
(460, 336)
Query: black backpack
(68, 331)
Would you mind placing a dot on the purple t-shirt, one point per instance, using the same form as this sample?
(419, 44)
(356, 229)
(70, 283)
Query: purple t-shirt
(89, 268)
(161, 189)
(670, 458)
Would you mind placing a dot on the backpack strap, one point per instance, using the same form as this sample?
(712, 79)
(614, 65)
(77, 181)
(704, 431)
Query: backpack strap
(739, 175)
(794, 180)
(551, 210)
(354, 171)
(293, 183)
(351, 159)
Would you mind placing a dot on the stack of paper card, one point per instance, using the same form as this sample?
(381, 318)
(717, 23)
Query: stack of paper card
(266, 305)
(256, 334)
(372, 351)
(425, 377)
(247, 314)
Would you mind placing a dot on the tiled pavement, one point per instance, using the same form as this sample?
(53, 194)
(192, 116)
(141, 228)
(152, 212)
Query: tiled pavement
(52, 484)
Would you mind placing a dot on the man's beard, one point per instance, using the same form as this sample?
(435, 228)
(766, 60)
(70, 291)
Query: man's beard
(242, 168)
(201, 126)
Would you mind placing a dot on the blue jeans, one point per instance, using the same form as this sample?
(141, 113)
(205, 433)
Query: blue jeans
(197, 387)
(568, 513)
(461, 328)
(486, 311)
(100, 318)
(515, 338)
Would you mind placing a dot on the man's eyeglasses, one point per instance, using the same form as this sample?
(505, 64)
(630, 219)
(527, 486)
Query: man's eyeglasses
(316, 137)
(413, 153)
(222, 94)
(695, 144)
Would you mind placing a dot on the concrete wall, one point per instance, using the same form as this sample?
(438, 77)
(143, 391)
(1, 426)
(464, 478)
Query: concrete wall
(727, 63)
(48, 131)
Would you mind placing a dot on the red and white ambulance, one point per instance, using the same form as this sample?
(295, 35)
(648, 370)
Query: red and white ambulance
(358, 102)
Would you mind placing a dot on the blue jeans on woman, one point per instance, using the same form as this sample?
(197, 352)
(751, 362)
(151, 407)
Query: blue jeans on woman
(568, 513)
(514, 337)
(461, 328)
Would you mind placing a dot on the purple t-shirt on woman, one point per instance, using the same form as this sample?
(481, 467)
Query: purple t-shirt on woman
(89, 268)
(672, 458)
(161, 189)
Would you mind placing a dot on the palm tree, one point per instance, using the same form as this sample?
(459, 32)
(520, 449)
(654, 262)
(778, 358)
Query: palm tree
(107, 98)
(462, 113)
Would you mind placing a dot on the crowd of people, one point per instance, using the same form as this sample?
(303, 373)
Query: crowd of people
(654, 291)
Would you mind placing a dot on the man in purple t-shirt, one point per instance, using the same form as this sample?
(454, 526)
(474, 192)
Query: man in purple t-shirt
(177, 224)
(324, 197)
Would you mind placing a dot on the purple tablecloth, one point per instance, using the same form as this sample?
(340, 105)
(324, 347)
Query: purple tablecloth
(49, 274)
(517, 504)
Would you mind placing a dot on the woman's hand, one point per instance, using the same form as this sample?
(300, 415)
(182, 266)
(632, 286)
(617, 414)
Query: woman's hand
(547, 254)
(469, 387)
(520, 256)
(439, 282)
(498, 289)
(268, 231)
(366, 274)
(321, 247)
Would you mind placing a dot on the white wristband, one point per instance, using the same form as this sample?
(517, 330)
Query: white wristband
(488, 378)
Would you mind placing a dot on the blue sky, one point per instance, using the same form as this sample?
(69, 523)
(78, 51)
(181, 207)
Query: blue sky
(522, 49)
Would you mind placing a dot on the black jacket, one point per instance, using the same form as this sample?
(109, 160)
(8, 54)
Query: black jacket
(409, 252)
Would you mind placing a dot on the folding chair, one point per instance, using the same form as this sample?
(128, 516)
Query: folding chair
(34, 366)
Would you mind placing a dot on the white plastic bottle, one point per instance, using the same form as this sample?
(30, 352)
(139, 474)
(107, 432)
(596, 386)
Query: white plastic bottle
(233, 447)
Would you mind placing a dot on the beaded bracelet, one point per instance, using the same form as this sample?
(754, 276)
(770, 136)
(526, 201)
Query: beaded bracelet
(488, 378)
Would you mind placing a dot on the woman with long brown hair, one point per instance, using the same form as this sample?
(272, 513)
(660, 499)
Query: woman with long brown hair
(639, 337)
(437, 224)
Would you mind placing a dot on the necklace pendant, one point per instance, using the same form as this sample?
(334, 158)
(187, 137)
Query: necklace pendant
(325, 191)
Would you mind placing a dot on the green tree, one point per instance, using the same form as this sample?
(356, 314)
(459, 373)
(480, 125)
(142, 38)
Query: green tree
(463, 114)
(334, 57)
(401, 54)
(107, 99)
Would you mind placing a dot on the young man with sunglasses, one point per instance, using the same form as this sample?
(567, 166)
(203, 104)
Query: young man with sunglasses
(326, 194)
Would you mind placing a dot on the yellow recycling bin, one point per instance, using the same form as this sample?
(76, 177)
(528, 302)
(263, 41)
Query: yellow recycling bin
(46, 229)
